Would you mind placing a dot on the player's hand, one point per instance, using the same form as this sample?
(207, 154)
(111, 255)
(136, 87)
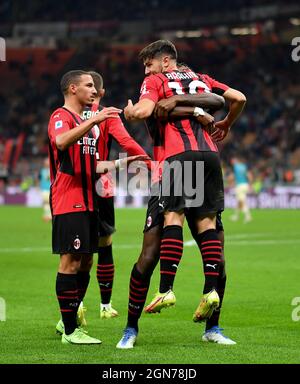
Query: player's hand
(128, 110)
(106, 113)
(163, 107)
(221, 130)
(207, 121)
(127, 160)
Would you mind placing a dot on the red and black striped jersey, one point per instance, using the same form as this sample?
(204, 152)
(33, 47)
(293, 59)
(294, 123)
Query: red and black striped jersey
(182, 135)
(72, 171)
(113, 128)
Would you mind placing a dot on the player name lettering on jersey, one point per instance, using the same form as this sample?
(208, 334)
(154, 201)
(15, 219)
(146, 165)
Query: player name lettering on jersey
(181, 75)
(88, 114)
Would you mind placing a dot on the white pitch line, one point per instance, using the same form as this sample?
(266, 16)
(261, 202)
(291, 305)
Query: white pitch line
(189, 243)
(47, 249)
(246, 235)
(26, 249)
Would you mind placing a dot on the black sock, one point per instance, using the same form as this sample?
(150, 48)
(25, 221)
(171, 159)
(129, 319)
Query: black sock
(138, 289)
(83, 279)
(170, 255)
(105, 273)
(214, 319)
(210, 247)
(67, 296)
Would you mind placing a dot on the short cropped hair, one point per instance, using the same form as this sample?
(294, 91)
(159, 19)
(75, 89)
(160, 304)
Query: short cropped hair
(71, 77)
(158, 48)
(98, 80)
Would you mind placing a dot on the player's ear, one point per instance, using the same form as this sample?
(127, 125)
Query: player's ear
(102, 92)
(72, 89)
(165, 61)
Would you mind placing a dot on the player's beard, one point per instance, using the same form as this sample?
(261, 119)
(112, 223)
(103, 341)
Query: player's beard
(161, 68)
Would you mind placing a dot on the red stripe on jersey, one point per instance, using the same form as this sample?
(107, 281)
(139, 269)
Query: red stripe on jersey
(189, 130)
(209, 141)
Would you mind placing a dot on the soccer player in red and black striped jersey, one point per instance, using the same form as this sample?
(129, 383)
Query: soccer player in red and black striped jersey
(109, 129)
(73, 166)
(182, 141)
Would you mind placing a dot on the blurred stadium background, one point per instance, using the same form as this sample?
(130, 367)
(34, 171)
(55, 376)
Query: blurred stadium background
(245, 43)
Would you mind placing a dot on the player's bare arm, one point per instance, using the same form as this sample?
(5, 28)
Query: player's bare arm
(66, 139)
(171, 109)
(205, 119)
(139, 111)
(106, 166)
(207, 100)
(237, 101)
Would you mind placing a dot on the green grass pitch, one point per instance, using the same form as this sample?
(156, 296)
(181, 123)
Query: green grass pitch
(263, 269)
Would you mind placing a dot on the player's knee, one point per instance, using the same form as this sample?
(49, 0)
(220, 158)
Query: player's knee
(69, 264)
(105, 241)
(174, 218)
(205, 223)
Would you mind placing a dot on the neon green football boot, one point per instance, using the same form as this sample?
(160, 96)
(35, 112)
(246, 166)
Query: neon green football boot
(160, 301)
(209, 302)
(81, 320)
(78, 337)
(107, 311)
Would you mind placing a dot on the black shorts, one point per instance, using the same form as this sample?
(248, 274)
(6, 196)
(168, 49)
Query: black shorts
(154, 215)
(75, 233)
(186, 185)
(106, 213)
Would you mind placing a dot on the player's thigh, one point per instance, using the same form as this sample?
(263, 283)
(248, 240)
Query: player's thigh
(149, 255)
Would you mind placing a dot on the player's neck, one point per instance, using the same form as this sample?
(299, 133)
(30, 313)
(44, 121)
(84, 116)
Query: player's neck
(74, 106)
(171, 67)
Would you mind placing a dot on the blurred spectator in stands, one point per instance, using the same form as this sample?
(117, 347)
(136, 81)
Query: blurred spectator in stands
(44, 178)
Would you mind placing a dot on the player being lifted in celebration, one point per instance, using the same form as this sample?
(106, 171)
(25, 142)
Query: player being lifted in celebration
(184, 140)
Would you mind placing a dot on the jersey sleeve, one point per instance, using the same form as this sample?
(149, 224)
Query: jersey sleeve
(216, 86)
(59, 123)
(117, 130)
(149, 89)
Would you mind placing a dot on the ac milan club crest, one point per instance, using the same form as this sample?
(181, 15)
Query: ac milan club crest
(76, 243)
(149, 221)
